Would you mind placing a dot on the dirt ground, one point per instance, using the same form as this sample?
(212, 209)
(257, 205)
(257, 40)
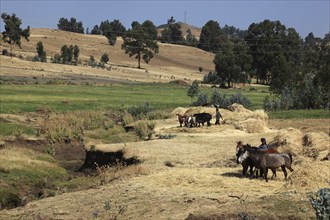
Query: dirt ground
(193, 174)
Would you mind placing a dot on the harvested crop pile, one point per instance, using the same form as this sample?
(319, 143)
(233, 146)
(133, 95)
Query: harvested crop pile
(195, 110)
(309, 174)
(308, 150)
(179, 110)
(316, 145)
(288, 140)
(252, 125)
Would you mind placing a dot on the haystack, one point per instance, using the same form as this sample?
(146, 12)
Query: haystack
(314, 143)
(309, 174)
(288, 140)
(238, 108)
(199, 109)
(252, 125)
(179, 110)
(238, 113)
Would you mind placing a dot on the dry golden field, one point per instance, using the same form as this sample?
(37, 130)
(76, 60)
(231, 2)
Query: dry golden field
(173, 62)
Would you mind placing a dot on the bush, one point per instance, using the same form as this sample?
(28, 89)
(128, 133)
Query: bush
(212, 78)
(321, 203)
(127, 119)
(67, 126)
(202, 100)
(167, 136)
(105, 58)
(140, 111)
(240, 99)
(224, 102)
(144, 129)
(56, 58)
(219, 100)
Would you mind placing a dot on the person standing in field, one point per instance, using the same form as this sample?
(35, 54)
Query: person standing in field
(217, 116)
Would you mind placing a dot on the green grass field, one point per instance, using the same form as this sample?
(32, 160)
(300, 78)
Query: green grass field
(61, 98)
(64, 98)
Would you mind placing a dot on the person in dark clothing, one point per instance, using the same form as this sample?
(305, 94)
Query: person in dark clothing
(263, 145)
(217, 116)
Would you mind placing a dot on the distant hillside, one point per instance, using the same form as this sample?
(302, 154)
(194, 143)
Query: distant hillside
(172, 62)
(184, 27)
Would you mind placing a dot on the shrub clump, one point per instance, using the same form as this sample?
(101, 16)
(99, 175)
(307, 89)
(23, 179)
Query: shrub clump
(167, 136)
(321, 203)
(222, 101)
(140, 110)
(144, 129)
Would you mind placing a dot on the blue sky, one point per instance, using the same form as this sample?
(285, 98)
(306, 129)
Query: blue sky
(304, 15)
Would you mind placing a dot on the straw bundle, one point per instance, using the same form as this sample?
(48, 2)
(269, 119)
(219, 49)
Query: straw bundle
(314, 143)
(252, 125)
(309, 174)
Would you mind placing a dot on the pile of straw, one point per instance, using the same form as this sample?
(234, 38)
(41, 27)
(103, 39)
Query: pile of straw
(252, 125)
(316, 145)
(309, 174)
(288, 140)
(313, 144)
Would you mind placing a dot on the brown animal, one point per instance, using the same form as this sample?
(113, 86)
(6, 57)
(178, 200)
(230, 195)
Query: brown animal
(265, 161)
(249, 163)
(183, 119)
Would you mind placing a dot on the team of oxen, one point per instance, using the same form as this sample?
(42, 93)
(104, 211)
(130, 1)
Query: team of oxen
(263, 160)
(194, 120)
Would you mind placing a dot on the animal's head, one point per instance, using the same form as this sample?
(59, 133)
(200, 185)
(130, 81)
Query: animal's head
(239, 144)
(244, 154)
(191, 121)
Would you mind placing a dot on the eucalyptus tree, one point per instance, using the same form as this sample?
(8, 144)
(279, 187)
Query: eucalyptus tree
(13, 32)
(211, 37)
(274, 48)
(72, 25)
(139, 43)
(172, 32)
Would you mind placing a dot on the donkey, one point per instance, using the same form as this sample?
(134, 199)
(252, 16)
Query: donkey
(266, 161)
(248, 162)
